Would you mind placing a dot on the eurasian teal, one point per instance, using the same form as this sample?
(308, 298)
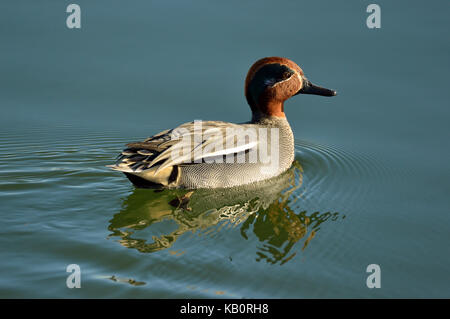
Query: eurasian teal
(215, 154)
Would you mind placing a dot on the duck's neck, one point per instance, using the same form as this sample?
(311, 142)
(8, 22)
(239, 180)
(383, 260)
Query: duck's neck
(266, 120)
(285, 135)
(274, 108)
(268, 109)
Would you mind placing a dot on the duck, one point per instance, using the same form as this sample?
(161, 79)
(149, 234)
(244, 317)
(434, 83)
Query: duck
(217, 154)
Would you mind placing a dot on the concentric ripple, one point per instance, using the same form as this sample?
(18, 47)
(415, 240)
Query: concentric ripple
(336, 175)
(344, 182)
(38, 159)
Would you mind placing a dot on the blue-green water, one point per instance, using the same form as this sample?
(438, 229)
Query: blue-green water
(372, 175)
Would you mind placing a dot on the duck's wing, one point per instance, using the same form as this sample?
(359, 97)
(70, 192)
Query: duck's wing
(157, 157)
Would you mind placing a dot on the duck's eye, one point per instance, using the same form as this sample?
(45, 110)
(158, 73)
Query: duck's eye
(270, 82)
(286, 75)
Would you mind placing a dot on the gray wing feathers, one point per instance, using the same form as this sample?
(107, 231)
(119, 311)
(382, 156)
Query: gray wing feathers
(183, 145)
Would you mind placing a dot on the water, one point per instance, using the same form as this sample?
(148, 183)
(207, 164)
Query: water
(369, 186)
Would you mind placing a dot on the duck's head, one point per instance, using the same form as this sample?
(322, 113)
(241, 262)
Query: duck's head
(271, 81)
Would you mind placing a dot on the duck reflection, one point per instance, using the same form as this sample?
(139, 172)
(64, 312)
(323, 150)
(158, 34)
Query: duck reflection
(265, 209)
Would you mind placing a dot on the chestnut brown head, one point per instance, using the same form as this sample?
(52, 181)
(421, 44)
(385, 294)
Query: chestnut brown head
(271, 81)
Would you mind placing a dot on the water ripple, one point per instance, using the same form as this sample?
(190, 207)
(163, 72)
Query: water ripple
(335, 174)
(58, 181)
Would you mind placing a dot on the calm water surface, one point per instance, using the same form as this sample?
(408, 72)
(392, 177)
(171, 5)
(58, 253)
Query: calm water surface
(370, 183)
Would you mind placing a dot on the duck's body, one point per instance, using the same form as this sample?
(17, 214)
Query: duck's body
(214, 154)
(136, 160)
